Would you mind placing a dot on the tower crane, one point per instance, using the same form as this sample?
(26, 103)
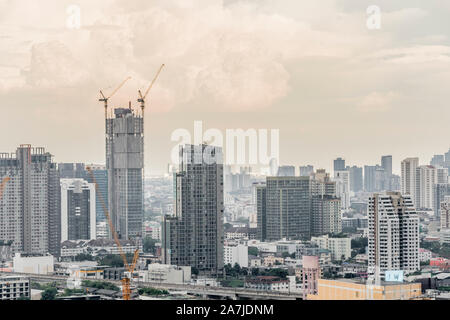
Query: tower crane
(126, 281)
(105, 99)
(143, 97)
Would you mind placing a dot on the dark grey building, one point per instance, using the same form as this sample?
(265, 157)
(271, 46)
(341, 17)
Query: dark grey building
(194, 235)
(30, 209)
(339, 164)
(286, 171)
(100, 177)
(125, 166)
(72, 170)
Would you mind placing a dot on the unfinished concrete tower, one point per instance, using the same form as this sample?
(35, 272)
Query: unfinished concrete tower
(125, 166)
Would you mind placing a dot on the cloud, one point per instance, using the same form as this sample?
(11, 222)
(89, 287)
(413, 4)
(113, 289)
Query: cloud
(377, 102)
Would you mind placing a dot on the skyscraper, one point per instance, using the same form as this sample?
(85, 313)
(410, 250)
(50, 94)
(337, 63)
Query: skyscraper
(408, 177)
(386, 164)
(306, 171)
(78, 216)
(339, 164)
(441, 191)
(194, 235)
(72, 170)
(100, 176)
(30, 206)
(125, 165)
(393, 233)
(426, 179)
(342, 179)
(356, 179)
(286, 171)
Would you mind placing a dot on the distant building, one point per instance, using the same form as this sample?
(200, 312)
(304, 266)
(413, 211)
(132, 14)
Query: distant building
(286, 171)
(356, 178)
(408, 178)
(78, 215)
(72, 170)
(340, 248)
(100, 177)
(235, 253)
(426, 179)
(35, 264)
(267, 283)
(166, 274)
(339, 165)
(306, 171)
(445, 213)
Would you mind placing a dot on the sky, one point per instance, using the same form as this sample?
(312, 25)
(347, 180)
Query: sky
(311, 69)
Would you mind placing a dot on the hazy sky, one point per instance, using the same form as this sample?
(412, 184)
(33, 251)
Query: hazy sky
(311, 69)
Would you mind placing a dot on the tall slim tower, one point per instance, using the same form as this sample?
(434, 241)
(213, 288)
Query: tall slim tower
(409, 168)
(125, 166)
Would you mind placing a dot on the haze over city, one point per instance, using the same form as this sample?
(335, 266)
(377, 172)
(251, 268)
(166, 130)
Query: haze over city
(313, 70)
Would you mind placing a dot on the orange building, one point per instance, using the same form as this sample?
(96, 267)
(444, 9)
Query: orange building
(347, 289)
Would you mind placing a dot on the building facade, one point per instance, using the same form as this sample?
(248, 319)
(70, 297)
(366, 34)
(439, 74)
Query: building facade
(30, 210)
(194, 235)
(125, 166)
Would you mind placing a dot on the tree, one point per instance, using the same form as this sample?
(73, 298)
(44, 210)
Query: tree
(114, 260)
(253, 251)
(84, 257)
(49, 294)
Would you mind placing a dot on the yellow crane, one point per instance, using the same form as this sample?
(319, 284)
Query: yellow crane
(143, 97)
(105, 99)
(126, 281)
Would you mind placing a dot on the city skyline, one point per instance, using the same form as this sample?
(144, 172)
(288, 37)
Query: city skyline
(313, 90)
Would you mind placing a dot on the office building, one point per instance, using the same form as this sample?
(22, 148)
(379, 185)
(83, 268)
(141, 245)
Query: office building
(72, 170)
(438, 160)
(306, 171)
(356, 178)
(426, 179)
(30, 206)
(286, 171)
(393, 234)
(194, 235)
(125, 165)
(99, 176)
(339, 164)
(442, 175)
(325, 214)
(374, 178)
(78, 214)
(386, 164)
(408, 178)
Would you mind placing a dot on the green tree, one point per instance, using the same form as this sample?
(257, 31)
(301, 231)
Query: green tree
(253, 251)
(49, 294)
(149, 245)
(84, 257)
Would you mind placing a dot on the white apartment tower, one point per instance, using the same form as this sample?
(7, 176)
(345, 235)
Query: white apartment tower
(393, 233)
(408, 177)
(426, 178)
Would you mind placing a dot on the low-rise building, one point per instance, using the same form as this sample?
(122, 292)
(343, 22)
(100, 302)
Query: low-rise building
(14, 288)
(268, 283)
(424, 255)
(347, 289)
(340, 248)
(271, 260)
(235, 253)
(70, 249)
(164, 273)
(34, 264)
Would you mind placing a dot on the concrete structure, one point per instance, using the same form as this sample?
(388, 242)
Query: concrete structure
(78, 210)
(235, 253)
(393, 234)
(306, 171)
(14, 288)
(408, 178)
(194, 235)
(325, 215)
(356, 178)
(166, 274)
(424, 255)
(310, 275)
(440, 190)
(125, 165)
(30, 206)
(34, 264)
(347, 289)
(426, 178)
(340, 248)
(267, 283)
(286, 171)
(97, 247)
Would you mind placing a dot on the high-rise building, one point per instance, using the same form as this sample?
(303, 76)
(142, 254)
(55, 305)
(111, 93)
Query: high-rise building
(339, 164)
(370, 178)
(100, 177)
(285, 206)
(297, 207)
(393, 234)
(445, 213)
(408, 177)
(386, 164)
(72, 170)
(125, 165)
(194, 235)
(438, 160)
(30, 210)
(78, 215)
(447, 159)
(286, 171)
(306, 171)
(442, 175)
(426, 178)
(356, 179)
(441, 191)
(342, 179)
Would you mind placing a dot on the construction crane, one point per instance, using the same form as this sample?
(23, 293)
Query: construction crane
(143, 97)
(126, 281)
(105, 99)
(3, 185)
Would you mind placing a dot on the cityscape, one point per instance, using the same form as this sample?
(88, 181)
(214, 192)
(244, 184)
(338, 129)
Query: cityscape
(235, 214)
